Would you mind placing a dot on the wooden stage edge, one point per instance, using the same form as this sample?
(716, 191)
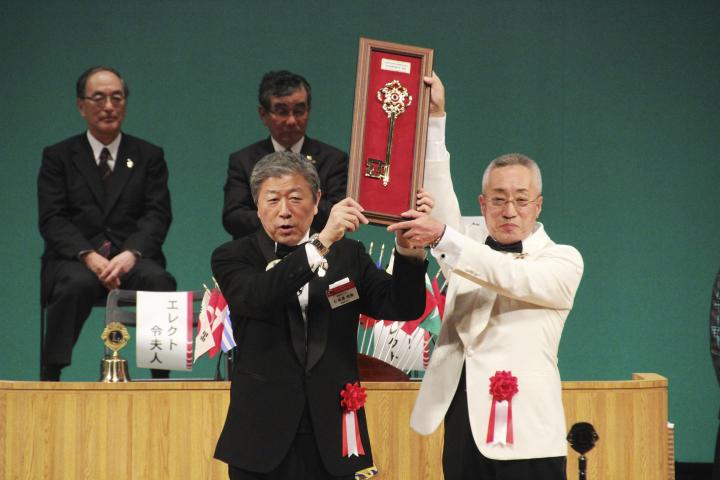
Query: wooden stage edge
(163, 430)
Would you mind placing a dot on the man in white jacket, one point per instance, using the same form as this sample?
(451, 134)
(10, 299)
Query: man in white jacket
(493, 377)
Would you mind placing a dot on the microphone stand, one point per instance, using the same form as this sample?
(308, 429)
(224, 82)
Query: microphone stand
(218, 375)
(582, 438)
(229, 363)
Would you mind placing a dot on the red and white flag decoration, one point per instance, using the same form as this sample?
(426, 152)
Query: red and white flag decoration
(214, 327)
(220, 310)
(204, 339)
(439, 296)
(503, 386)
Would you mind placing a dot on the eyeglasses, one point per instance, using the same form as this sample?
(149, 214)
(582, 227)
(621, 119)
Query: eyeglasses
(100, 99)
(500, 202)
(284, 112)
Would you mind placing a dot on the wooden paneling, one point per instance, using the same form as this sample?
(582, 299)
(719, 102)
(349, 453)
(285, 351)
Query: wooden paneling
(399, 452)
(631, 419)
(96, 431)
(159, 430)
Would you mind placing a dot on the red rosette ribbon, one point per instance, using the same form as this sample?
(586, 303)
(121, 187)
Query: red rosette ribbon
(352, 398)
(503, 386)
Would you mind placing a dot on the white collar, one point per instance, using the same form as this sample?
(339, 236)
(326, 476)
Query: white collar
(295, 148)
(97, 147)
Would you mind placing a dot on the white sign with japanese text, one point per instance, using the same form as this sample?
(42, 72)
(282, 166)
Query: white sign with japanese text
(164, 330)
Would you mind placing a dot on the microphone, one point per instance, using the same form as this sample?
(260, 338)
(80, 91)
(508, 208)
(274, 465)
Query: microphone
(582, 438)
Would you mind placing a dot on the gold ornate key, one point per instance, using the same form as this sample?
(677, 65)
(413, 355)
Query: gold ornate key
(395, 99)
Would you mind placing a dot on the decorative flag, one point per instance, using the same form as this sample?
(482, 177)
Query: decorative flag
(439, 297)
(367, 321)
(394, 346)
(204, 340)
(406, 345)
(228, 341)
(217, 321)
(432, 323)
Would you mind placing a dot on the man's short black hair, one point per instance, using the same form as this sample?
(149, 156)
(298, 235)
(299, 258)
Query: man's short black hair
(82, 81)
(281, 83)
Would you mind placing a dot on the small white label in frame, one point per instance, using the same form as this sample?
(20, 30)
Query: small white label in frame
(395, 65)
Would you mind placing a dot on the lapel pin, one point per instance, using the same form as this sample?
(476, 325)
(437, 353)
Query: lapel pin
(310, 159)
(129, 163)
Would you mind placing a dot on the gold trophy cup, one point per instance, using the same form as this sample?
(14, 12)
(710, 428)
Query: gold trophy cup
(113, 368)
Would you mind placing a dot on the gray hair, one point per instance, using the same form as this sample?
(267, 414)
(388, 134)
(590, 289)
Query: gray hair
(279, 164)
(510, 159)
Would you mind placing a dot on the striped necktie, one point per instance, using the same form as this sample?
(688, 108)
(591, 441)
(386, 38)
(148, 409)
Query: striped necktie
(103, 166)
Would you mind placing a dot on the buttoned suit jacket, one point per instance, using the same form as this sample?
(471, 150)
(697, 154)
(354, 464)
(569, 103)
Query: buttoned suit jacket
(503, 311)
(239, 210)
(274, 378)
(76, 214)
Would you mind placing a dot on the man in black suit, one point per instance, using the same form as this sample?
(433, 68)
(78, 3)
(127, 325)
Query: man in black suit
(284, 108)
(104, 211)
(295, 323)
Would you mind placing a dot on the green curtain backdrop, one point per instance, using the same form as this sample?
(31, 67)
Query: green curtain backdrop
(617, 100)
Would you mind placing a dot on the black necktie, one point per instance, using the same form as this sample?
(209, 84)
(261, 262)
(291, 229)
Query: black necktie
(502, 247)
(282, 250)
(103, 166)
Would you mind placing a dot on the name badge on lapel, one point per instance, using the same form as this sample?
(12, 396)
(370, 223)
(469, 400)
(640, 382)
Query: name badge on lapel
(342, 292)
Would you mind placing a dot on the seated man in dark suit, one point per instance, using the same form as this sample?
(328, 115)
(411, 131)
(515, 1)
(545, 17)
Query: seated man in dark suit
(285, 100)
(294, 299)
(104, 211)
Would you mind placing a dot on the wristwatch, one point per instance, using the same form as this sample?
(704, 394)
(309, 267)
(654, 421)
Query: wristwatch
(436, 242)
(315, 242)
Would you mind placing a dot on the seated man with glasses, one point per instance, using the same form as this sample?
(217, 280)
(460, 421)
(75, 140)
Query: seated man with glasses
(285, 100)
(104, 211)
(493, 377)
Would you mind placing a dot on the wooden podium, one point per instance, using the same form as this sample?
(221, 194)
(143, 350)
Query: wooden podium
(631, 418)
(148, 430)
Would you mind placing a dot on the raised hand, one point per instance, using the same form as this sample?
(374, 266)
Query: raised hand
(437, 95)
(345, 216)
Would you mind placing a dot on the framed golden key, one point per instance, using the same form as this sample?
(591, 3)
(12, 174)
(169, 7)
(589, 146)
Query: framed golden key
(387, 153)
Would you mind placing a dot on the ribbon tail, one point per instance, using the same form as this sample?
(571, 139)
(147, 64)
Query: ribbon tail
(509, 436)
(350, 435)
(344, 438)
(491, 424)
(358, 440)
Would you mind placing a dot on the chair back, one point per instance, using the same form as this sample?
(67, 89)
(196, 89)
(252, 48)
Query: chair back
(117, 299)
